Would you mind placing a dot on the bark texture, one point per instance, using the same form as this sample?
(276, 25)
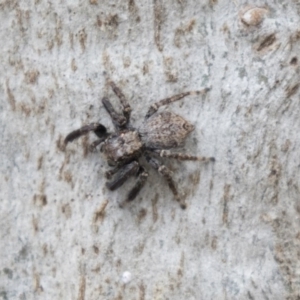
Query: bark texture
(63, 235)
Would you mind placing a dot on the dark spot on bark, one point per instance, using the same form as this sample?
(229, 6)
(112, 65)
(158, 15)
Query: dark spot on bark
(45, 249)
(60, 145)
(142, 214)
(31, 76)
(96, 249)
(142, 291)
(100, 213)
(154, 208)
(11, 97)
(8, 272)
(267, 42)
(40, 199)
(214, 243)
(290, 91)
(3, 294)
(35, 224)
(23, 252)
(132, 6)
(40, 162)
(226, 198)
(82, 39)
(99, 22)
(66, 210)
(294, 61)
(24, 108)
(82, 286)
(158, 20)
(67, 176)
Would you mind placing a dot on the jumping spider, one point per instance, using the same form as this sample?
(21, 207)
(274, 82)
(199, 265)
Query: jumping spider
(123, 148)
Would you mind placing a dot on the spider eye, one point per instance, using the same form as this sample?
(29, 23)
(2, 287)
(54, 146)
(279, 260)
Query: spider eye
(188, 127)
(100, 130)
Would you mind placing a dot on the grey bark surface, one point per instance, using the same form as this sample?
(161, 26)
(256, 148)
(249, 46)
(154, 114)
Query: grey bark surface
(63, 235)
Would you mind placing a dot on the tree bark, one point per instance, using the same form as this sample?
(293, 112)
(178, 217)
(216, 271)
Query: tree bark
(63, 235)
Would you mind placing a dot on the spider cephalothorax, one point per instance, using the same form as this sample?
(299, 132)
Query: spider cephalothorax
(159, 133)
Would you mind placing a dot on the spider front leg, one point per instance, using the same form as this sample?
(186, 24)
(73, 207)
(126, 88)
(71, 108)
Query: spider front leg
(97, 128)
(94, 144)
(142, 177)
(167, 174)
(118, 119)
(124, 102)
(182, 156)
(122, 174)
(111, 172)
(154, 107)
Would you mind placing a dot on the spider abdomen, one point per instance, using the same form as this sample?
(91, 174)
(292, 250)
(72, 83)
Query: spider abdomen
(165, 130)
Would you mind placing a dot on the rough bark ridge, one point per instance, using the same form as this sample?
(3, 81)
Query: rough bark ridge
(63, 235)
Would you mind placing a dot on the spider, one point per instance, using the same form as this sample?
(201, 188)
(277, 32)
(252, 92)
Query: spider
(159, 132)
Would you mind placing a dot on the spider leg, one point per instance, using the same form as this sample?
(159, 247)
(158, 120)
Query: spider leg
(97, 128)
(111, 172)
(138, 185)
(118, 119)
(142, 177)
(122, 174)
(124, 102)
(155, 106)
(167, 174)
(182, 156)
(94, 144)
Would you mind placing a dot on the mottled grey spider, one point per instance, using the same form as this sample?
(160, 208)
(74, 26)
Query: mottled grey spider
(123, 148)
